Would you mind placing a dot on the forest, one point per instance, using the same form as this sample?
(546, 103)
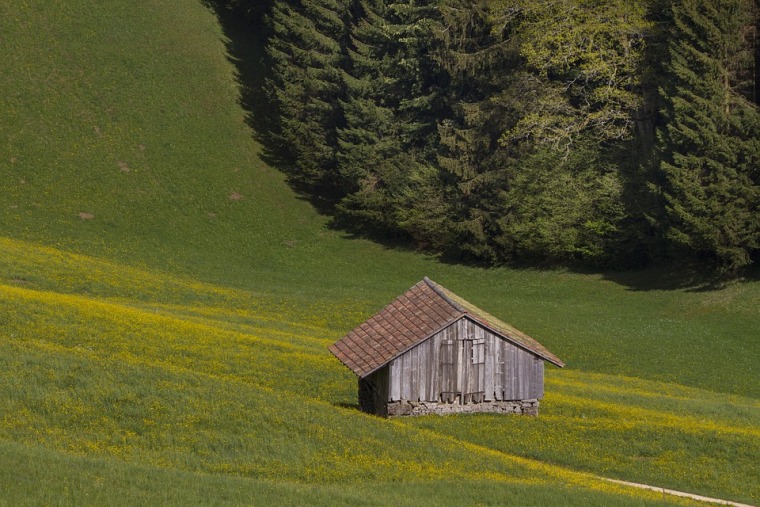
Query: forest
(571, 132)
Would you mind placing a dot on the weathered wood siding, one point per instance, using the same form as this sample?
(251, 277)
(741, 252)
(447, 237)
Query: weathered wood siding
(373, 392)
(465, 363)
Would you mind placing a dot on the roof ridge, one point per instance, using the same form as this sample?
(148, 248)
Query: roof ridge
(440, 291)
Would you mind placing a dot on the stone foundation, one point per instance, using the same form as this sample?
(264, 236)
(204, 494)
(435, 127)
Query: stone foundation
(414, 408)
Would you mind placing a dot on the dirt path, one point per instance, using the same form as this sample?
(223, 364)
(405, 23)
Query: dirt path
(678, 493)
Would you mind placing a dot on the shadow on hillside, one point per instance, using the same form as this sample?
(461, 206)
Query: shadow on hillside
(246, 34)
(694, 278)
(245, 40)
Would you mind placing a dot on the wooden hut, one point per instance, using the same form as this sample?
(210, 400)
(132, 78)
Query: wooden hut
(432, 352)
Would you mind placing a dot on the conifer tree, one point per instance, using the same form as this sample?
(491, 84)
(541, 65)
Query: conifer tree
(478, 59)
(386, 143)
(308, 50)
(711, 141)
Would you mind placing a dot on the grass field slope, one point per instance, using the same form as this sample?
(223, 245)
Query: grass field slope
(166, 303)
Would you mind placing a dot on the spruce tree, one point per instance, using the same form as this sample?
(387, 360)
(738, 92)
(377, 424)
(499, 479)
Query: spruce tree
(711, 140)
(308, 50)
(478, 59)
(386, 144)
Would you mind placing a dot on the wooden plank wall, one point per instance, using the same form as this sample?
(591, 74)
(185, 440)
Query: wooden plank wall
(373, 392)
(509, 373)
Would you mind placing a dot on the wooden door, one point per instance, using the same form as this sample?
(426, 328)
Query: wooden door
(462, 371)
(448, 371)
(473, 371)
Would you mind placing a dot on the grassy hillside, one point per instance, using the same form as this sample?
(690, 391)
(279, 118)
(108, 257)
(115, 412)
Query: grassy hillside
(166, 303)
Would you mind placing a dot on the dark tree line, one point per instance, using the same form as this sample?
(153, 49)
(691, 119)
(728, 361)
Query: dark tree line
(572, 131)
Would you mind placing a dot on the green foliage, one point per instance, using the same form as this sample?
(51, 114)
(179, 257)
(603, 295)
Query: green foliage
(431, 121)
(563, 208)
(478, 59)
(587, 57)
(710, 143)
(387, 141)
(307, 48)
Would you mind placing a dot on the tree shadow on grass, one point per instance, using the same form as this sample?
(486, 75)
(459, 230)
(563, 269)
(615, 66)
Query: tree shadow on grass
(245, 39)
(246, 33)
(690, 278)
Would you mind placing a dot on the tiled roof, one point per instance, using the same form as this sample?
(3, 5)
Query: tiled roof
(413, 317)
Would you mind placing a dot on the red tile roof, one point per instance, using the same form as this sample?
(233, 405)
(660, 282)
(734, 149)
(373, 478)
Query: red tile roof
(413, 317)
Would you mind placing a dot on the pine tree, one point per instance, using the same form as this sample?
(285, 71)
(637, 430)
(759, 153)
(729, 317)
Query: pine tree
(711, 141)
(308, 50)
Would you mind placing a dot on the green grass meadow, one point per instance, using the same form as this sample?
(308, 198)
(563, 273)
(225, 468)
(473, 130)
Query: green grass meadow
(166, 304)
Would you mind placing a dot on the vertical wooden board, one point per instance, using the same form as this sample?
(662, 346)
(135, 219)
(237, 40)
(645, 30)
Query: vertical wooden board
(395, 380)
(523, 374)
(468, 367)
(481, 366)
(398, 379)
(434, 386)
(460, 384)
(385, 387)
(421, 393)
(515, 369)
(430, 368)
(526, 374)
(479, 333)
(413, 381)
(498, 368)
(489, 366)
(405, 374)
(534, 381)
(418, 374)
(517, 376)
(507, 383)
(400, 376)
(441, 338)
(540, 390)
(506, 376)
(447, 366)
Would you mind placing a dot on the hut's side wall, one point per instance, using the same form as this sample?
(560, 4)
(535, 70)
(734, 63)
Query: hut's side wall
(507, 372)
(373, 392)
(414, 375)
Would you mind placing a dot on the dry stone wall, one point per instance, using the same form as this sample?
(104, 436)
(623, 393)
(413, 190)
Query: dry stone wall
(414, 408)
